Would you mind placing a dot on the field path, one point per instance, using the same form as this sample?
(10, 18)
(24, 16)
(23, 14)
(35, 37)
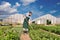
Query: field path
(25, 37)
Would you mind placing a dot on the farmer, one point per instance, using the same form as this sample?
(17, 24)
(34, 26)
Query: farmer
(26, 22)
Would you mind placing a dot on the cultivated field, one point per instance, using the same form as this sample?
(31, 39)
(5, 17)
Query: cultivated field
(10, 33)
(41, 32)
(36, 32)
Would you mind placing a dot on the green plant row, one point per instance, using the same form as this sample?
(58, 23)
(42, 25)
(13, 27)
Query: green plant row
(37, 34)
(42, 35)
(8, 33)
(54, 29)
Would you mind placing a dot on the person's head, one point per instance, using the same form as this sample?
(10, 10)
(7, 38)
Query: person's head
(30, 13)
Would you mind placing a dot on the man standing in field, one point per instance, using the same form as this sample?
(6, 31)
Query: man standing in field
(26, 22)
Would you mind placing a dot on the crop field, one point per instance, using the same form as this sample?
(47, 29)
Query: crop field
(41, 32)
(10, 33)
(36, 32)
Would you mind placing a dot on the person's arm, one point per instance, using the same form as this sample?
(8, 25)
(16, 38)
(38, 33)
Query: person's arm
(30, 21)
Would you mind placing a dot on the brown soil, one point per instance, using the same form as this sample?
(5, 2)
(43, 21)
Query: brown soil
(25, 37)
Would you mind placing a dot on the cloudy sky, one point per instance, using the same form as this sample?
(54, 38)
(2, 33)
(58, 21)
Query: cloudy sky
(37, 7)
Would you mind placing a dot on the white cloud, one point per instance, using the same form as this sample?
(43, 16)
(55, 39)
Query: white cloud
(7, 8)
(58, 3)
(27, 2)
(12, 10)
(53, 11)
(4, 5)
(17, 4)
(41, 6)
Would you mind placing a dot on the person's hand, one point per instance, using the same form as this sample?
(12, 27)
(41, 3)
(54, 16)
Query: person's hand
(30, 22)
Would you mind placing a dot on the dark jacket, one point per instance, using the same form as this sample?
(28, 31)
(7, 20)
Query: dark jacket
(25, 23)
